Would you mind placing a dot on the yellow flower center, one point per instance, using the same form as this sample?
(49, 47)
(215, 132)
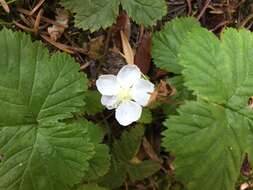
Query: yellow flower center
(124, 94)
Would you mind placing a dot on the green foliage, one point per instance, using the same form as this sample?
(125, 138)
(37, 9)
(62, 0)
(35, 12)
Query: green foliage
(139, 171)
(146, 116)
(100, 163)
(93, 104)
(166, 43)
(91, 187)
(38, 91)
(210, 136)
(95, 14)
(145, 12)
(165, 51)
(92, 15)
(182, 94)
(124, 161)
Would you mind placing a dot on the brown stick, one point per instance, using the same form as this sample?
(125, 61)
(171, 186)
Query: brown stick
(189, 4)
(203, 9)
(23, 27)
(60, 46)
(36, 7)
(37, 21)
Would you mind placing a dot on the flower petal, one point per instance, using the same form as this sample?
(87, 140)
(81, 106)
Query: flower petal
(128, 75)
(110, 102)
(107, 85)
(128, 112)
(141, 91)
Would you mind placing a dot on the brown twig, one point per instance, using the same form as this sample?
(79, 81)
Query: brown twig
(84, 66)
(246, 20)
(25, 20)
(189, 4)
(36, 7)
(224, 23)
(37, 21)
(23, 27)
(203, 9)
(26, 12)
(60, 46)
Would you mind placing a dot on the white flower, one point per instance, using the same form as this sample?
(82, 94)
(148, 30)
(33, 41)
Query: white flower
(127, 93)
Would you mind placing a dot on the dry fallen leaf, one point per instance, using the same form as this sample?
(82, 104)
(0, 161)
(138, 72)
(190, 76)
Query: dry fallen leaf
(123, 23)
(62, 18)
(96, 47)
(142, 56)
(127, 50)
(5, 6)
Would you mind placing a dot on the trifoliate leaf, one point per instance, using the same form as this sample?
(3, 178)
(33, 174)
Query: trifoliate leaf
(167, 42)
(211, 136)
(142, 170)
(93, 15)
(36, 92)
(93, 103)
(145, 12)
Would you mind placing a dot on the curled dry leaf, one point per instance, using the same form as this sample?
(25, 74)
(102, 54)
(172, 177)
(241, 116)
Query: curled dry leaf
(128, 53)
(56, 31)
(163, 90)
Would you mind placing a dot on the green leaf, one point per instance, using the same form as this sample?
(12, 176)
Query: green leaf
(146, 116)
(93, 15)
(126, 148)
(96, 14)
(211, 136)
(142, 170)
(93, 102)
(226, 74)
(36, 92)
(123, 150)
(100, 163)
(36, 88)
(122, 164)
(182, 95)
(43, 157)
(145, 12)
(116, 175)
(166, 43)
(91, 187)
